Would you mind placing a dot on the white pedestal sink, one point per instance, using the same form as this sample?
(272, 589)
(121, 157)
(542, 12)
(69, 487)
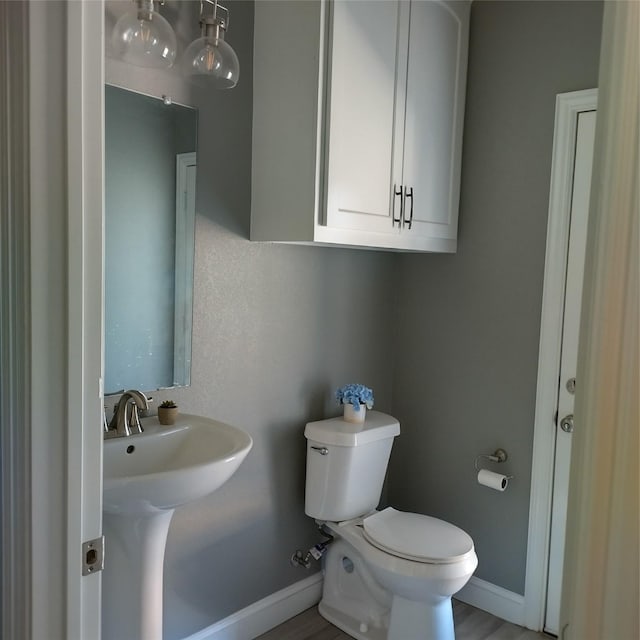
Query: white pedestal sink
(145, 478)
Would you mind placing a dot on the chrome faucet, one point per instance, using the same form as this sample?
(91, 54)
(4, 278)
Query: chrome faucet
(126, 420)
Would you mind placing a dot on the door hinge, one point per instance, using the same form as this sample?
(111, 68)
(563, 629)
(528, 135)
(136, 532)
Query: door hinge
(93, 556)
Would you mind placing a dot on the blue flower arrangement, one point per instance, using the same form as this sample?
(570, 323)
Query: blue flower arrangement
(355, 395)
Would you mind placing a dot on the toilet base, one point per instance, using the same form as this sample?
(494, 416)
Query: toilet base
(434, 620)
(356, 602)
(351, 599)
(348, 624)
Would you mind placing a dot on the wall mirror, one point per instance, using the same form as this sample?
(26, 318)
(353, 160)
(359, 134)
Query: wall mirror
(150, 188)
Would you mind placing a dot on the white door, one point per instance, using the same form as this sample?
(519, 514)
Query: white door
(434, 113)
(362, 152)
(569, 353)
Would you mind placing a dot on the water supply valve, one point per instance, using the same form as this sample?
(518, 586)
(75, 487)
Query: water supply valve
(302, 559)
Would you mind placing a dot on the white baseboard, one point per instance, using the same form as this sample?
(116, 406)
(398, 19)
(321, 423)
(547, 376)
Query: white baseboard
(496, 600)
(267, 613)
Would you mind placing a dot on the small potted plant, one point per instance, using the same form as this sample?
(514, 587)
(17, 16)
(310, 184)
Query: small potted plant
(167, 412)
(355, 400)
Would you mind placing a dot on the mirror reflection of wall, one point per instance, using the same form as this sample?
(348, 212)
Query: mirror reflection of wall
(149, 235)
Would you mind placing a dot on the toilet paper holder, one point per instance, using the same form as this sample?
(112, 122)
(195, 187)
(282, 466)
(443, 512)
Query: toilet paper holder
(499, 455)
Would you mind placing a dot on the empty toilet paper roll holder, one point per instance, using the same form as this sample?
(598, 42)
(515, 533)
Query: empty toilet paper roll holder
(499, 455)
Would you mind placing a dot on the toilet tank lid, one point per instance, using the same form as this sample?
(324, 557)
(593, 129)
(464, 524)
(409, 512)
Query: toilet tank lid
(336, 431)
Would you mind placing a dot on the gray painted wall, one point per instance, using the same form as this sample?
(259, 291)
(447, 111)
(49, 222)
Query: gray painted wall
(276, 330)
(466, 358)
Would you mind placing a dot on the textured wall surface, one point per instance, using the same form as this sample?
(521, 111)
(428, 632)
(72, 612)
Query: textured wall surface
(467, 355)
(276, 329)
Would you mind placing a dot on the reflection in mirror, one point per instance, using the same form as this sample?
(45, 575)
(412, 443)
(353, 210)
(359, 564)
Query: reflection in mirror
(150, 183)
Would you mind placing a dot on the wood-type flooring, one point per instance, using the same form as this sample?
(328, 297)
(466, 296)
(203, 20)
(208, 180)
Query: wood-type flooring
(470, 624)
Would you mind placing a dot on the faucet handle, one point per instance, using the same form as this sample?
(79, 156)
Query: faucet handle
(134, 418)
(112, 424)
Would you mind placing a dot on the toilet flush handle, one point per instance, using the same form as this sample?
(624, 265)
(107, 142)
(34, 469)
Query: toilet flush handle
(322, 450)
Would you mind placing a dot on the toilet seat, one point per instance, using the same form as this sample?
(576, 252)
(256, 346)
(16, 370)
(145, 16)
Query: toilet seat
(417, 537)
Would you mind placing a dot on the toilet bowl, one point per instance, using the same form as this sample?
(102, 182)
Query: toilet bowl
(391, 575)
(388, 575)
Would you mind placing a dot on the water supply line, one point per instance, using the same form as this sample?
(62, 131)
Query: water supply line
(301, 558)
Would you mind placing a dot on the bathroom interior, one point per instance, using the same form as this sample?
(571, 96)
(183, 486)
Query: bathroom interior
(448, 341)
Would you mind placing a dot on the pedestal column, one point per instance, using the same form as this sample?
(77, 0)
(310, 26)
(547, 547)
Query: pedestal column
(132, 578)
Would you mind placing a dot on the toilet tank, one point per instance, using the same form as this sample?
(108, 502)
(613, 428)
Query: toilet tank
(346, 465)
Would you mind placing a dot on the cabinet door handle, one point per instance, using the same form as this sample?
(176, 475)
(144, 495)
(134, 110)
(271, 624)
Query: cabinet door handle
(397, 192)
(408, 193)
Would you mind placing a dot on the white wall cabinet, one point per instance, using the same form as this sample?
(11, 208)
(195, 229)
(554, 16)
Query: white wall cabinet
(357, 124)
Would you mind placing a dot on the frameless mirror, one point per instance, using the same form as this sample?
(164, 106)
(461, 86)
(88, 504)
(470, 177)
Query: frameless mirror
(150, 187)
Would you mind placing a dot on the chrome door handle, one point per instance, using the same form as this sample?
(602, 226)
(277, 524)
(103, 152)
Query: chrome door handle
(323, 451)
(566, 424)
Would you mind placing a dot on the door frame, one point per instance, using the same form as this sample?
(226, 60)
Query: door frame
(51, 338)
(568, 108)
(85, 312)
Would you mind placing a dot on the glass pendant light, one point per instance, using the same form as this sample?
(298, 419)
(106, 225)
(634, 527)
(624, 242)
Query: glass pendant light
(210, 56)
(144, 38)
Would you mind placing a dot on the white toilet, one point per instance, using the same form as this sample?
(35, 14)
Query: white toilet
(388, 575)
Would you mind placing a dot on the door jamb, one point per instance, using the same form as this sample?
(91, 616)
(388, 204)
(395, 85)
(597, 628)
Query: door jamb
(51, 316)
(568, 107)
(85, 258)
(15, 316)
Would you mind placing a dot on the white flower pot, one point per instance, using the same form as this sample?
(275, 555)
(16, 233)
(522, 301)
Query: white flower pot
(351, 415)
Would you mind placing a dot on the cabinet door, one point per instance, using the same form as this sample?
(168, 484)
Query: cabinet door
(362, 112)
(436, 82)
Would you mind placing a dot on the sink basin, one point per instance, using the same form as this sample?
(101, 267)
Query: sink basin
(167, 466)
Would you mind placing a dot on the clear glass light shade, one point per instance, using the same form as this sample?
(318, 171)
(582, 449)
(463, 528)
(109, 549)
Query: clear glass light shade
(144, 38)
(214, 59)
